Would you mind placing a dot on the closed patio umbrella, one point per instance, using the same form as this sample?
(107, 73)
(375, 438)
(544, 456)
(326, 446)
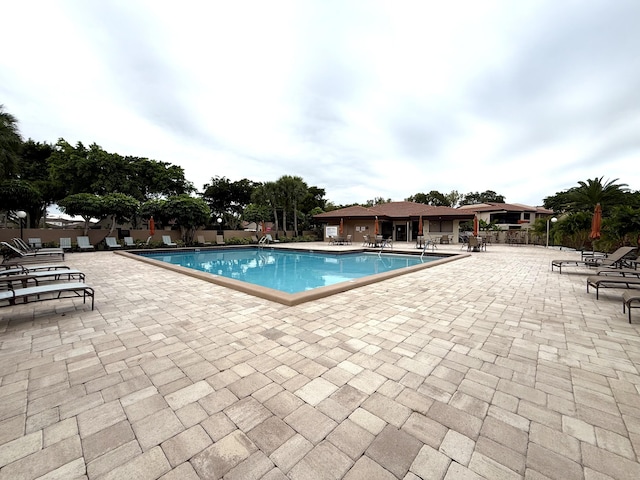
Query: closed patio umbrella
(596, 223)
(341, 229)
(475, 226)
(420, 228)
(152, 227)
(376, 227)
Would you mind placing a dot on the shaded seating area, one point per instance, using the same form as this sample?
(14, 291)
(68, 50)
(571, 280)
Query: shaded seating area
(84, 244)
(616, 260)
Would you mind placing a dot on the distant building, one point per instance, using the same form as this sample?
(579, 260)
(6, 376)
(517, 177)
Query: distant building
(508, 216)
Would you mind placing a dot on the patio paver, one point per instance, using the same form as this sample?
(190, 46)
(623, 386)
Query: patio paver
(492, 366)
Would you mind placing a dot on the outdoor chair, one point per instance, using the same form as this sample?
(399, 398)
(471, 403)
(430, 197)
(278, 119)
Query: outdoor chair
(609, 281)
(35, 243)
(166, 239)
(11, 255)
(129, 242)
(219, 239)
(628, 300)
(65, 243)
(24, 247)
(613, 260)
(201, 240)
(348, 240)
(84, 243)
(112, 243)
(50, 291)
(25, 277)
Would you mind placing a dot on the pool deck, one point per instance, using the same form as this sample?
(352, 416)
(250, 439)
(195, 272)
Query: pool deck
(492, 366)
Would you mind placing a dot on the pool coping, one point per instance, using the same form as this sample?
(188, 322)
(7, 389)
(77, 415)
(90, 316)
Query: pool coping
(289, 299)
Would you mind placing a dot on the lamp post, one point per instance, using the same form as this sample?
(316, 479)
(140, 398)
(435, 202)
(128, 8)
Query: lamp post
(552, 220)
(219, 220)
(21, 215)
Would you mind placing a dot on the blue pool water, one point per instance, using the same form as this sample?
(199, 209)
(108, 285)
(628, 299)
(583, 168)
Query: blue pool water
(289, 271)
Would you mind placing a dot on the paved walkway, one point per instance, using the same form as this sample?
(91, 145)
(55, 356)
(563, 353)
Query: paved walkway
(489, 367)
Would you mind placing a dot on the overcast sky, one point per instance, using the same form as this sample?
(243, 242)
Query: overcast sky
(362, 98)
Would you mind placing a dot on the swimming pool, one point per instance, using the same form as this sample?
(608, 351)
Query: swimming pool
(284, 275)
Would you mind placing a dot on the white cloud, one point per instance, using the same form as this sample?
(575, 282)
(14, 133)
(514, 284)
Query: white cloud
(363, 98)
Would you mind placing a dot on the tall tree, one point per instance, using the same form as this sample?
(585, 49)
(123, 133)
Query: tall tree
(293, 191)
(594, 191)
(228, 199)
(189, 213)
(10, 141)
(86, 205)
(267, 194)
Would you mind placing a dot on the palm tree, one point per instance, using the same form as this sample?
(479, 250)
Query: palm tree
(10, 142)
(267, 194)
(589, 193)
(294, 190)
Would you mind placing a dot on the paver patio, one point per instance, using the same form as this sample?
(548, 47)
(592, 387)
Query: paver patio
(488, 367)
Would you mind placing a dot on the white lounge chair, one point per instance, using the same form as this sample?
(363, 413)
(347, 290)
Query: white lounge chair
(129, 242)
(219, 239)
(166, 239)
(65, 243)
(112, 243)
(202, 241)
(51, 291)
(25, 277)
(35, 243)
(84, 243)
(13, 256)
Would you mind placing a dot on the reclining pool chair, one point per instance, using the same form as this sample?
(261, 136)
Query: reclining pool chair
(51, 291)
(24, 277)
(26, 248)
(613, 260)
(84, 243)
(610, 281)
(628, 300)
(166, 239)
(112, 243)
(14, 256)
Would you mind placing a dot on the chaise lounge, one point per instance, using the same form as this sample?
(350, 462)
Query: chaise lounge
(51, 291)
(610, 281)
(166, 239)
(112, 243)
(13, 256)
(84, 243)
(613, 260)
(24, 277)
(628, 299)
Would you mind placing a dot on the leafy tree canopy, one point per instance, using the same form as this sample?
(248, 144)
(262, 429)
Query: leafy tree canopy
(489, 196)
(10, 142)
(188, 212)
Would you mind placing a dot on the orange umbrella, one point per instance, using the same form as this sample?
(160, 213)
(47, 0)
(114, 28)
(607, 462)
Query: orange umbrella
(341, 230)
(152, 227)
(420, 226)
(263, 228)
(376, 227)
(475, 226)
(596, 223)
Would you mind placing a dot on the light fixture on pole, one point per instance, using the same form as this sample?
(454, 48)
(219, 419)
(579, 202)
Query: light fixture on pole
(552, 220)
(219, 220)
(21, 215)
